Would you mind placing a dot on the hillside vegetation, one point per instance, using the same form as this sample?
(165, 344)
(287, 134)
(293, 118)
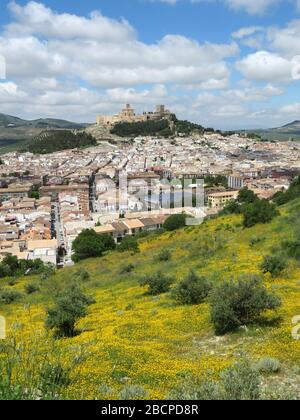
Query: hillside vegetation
(132, 343)
(15, 132)
(163, 128)
(54, 141)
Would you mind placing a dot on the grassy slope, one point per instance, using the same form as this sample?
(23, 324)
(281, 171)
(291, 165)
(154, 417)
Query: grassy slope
(153, 341)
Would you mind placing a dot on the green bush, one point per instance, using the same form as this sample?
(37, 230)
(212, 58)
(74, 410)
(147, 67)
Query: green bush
(164, 256)
(256, 240)
(127, 268)
(176, 221)
(268, 366)
(129, 243)
(235, 304)
(291, 194)
(192, 290)
(69, 306)
(292, 249)
(157, 283)
(82, 275)
(239, 382)
(32, 288)
(8, 296)
(260, 211)
(89, 244)
(273, 265)
(12, 266)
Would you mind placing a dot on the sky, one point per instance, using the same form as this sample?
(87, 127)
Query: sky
(227, 64)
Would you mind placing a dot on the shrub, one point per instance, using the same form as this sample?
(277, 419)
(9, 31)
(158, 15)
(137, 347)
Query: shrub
(127, 268)
(176, 221)
(238, 382)
(268, 366)
(9, 296)
(157, 283)
(260, 211)
(132, 392)
(164, 256)
(256, 240)
(129, 243)
(89, 244)
(292, 249)
(32, 288)
(273, 265)
(291, 194)
(70, 305)
(11, 266)
(82, 275)
(234, 304)
(5, 270)
(241, 382)
(193, 290)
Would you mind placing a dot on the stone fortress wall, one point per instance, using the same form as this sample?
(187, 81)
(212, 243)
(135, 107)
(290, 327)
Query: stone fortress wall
(128, 115)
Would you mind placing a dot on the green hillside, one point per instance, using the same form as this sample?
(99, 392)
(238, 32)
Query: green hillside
(16, 132)
(133, 342)
(56, 140)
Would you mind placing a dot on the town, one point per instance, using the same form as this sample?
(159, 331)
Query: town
(131, 186)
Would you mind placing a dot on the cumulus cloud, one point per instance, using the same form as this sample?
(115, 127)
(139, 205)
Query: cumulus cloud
(102, 51)
(265, 66)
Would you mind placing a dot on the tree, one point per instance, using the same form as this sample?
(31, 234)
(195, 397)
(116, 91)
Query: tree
(246, 196)
(69, 306)
(157, 283)
(89, 244)
(129, 243)
(234, 304)
(176, 221)
(260, 211)
(291, 194)
(273, 265)
(192, 290)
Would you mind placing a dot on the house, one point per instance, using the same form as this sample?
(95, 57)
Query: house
(220, 199)
(134, 226)
(46, 250)
(14, 192)
(153, 223)
(105, 230)
(121, 230)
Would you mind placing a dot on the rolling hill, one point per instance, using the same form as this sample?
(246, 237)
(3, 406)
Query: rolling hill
(130, 338)
(286, 132)
(14, 131)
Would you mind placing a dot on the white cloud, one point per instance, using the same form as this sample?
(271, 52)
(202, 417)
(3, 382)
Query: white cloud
(266, 67)
(103, 52)
(286, 40)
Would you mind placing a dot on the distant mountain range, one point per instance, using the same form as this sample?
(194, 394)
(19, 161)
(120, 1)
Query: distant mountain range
(8, 121)
(14, 131)
(291, 130)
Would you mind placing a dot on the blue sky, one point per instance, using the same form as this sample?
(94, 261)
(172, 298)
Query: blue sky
(222, 63)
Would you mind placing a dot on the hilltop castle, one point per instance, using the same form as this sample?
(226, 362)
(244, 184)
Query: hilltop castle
(128, 115)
